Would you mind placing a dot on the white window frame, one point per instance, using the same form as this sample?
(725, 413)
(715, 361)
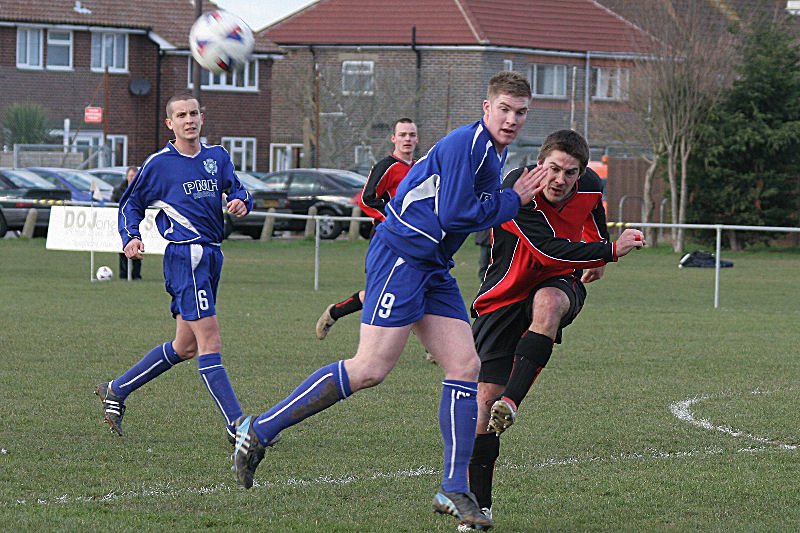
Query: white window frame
(243, 150)
(558, 80)
(282, 155)
(102, 59)
(358, 78)
(610, 83)
(114, 140)
(244, 80)
(508, 64)
(33, 59)
(61, 43)
(363, 155)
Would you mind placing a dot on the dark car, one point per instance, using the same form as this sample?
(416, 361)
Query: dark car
(21, 191)
(263, 200)
(79, 182)
(331, 191)
(112, 175)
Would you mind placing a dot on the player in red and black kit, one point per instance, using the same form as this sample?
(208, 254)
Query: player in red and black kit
(380, 187)
(534, 287)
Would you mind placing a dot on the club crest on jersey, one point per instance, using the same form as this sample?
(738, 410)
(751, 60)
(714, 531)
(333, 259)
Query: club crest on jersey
(210, 166)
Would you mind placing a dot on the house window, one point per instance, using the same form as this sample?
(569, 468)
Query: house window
(364, 157)
(29, 48)
(110, 50)
(284, 156)
(59, 50)
(508, 64)
(118, 150)
(358, 77)
(610, 83)
(245, 79)
(549, 80)
(242, 151)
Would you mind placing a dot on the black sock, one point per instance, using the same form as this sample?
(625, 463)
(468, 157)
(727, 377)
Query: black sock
(481, 467)
(531, 355)
(351, 305)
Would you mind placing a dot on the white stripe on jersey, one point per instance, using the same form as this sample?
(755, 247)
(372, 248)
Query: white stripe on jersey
(173, 214)
(427, 189)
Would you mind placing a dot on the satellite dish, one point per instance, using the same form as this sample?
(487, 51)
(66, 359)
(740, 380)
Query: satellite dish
(139, 86)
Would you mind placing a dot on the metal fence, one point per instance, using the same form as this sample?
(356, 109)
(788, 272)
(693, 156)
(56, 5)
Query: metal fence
(354, 220)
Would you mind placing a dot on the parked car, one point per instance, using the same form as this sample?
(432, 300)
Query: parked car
(79, 182)
(21, 191)
(263, 200)
(331, 191)
(112, 175)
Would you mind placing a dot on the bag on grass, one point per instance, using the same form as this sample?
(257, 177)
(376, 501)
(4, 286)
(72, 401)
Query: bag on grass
(703, 259)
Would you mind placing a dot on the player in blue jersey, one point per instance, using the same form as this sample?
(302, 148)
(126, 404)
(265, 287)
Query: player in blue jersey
(449, 193)
(186, 180)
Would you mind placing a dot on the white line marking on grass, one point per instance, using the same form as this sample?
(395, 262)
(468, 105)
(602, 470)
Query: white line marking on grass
(169, 492)
(682, 410)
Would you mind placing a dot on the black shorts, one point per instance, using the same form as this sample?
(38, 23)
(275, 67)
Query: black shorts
(497, 333)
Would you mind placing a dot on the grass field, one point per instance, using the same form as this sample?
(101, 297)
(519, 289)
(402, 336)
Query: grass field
(658, 413)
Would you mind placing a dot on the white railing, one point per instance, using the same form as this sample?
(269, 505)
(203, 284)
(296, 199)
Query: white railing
(717, 227)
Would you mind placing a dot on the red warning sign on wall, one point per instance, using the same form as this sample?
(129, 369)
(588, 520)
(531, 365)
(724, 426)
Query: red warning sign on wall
(93, 114)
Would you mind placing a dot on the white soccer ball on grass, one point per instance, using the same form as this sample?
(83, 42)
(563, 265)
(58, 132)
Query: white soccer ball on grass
(104, 273)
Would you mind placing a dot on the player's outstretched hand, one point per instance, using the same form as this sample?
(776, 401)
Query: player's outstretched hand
(529, 183)
(237, 208)
(593, 274)
(631, 239)
(134, 249)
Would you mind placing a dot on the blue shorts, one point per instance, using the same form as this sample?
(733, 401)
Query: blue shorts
(397, 294)
(191, 276)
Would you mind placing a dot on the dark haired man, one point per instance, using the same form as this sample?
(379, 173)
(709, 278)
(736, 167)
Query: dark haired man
(534, 287)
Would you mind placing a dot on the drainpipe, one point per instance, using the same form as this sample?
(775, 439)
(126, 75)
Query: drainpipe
(586, 89)
(157, 107)
(419, 71)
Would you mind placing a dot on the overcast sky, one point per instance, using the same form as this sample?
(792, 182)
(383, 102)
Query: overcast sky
(260, 13)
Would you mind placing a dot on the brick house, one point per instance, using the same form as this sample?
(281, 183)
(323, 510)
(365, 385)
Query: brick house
(353, 66)
(56, 53)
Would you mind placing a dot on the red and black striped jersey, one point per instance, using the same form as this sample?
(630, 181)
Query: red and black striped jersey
(381, 185)
(545, 240)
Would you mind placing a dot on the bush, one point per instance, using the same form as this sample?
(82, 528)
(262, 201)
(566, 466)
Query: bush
(26, 123)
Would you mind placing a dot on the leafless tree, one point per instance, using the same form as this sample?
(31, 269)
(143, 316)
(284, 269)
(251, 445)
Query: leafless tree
(686, 65)
(334, 123)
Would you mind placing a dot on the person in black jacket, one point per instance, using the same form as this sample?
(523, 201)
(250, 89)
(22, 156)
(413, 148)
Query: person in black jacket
(116, 195)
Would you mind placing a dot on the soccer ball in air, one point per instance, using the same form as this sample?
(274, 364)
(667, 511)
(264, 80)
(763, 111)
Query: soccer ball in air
(104, 273)
(220, 41)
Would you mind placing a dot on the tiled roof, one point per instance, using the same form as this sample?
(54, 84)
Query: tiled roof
(169, 19)
(570, 25)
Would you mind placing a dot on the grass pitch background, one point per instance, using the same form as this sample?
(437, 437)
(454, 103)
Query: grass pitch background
(596, 447)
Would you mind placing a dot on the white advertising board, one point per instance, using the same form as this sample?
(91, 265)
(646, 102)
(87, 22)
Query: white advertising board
(95, 229)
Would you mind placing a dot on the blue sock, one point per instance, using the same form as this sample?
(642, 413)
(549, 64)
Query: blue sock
(458, 415)
(156, 362)
(219, 386)
(319, 391)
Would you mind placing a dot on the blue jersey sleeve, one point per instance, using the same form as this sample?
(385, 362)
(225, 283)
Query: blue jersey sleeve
(132, 207)
(236, 190)
(465, 206)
